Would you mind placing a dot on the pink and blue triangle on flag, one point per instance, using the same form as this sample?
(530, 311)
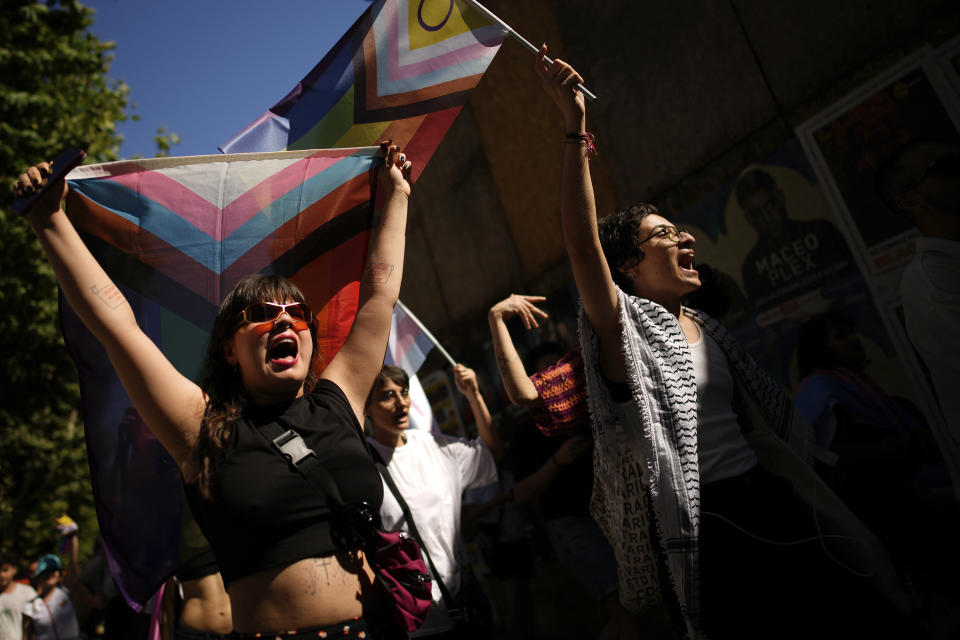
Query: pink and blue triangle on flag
(409, 345)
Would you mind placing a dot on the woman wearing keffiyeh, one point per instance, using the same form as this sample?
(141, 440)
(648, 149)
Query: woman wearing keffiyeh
(702, 482)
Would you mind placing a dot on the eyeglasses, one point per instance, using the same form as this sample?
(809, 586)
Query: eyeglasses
(671, 233)
(945, 166)
(270, 311)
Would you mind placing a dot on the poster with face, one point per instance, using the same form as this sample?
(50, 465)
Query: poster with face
(796, 250)
(850, 141)
(771, 258)
(886, 156)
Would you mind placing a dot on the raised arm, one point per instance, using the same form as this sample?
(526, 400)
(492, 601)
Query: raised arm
(578, 213)
(358, 363)
(466, 379)
(170, 404)
(82, 599)
(517, 384)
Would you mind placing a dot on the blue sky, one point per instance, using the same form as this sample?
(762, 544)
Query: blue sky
(207, 68)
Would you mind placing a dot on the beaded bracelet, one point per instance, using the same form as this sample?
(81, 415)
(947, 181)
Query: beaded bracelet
(583, 138)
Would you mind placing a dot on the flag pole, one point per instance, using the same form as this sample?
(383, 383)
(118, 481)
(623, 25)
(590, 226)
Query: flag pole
(519, 38)
(426, 331)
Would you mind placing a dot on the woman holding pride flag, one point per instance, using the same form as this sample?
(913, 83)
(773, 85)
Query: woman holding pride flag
(702, 484)
(431, 472)
(273, 535)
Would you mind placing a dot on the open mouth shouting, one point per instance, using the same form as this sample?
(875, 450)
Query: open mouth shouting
(284, 350)
(685, 261)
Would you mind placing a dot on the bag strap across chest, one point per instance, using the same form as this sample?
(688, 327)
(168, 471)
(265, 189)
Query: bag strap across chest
(411, 523)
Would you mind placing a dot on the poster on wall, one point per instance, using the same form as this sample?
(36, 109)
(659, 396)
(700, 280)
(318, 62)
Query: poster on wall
(771, 257)
(847, 144)
(849, 140)
(437, 387)
(948, 56)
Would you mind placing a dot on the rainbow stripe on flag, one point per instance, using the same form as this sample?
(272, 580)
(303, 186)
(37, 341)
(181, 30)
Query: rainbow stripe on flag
(175, 234)
(402, 72)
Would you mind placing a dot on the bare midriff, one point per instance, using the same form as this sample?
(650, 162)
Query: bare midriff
(312, 592)
(206, 606)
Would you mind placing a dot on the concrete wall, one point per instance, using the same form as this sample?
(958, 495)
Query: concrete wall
(690, 91)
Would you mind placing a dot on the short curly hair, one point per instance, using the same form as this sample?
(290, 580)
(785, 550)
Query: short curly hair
(619, 238)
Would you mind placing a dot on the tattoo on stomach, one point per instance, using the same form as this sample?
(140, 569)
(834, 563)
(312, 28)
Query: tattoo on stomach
(322, 570)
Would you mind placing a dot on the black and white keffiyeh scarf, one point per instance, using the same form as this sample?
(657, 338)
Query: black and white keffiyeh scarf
(655, 437)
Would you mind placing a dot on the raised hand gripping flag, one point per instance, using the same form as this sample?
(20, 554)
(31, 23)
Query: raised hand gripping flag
(402, 72)
(175, 235)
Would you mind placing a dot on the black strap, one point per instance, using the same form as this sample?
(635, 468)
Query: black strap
(289, 444)
(412, 525)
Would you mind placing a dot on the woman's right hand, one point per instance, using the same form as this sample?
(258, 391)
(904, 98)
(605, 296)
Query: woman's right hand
(520, 305)
(560, 81)
(34, 179)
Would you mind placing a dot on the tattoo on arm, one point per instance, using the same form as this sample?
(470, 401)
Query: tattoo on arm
(109, 294)
(503, 363)
(377, 272)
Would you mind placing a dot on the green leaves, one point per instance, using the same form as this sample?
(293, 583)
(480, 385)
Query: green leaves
(54, 93)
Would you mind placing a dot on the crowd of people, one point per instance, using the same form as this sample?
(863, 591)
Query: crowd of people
(677, 482)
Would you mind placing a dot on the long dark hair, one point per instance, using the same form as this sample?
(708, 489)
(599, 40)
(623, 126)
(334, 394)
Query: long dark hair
(221, 382)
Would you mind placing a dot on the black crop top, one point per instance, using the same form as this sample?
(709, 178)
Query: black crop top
(263, 513)
(199, 566)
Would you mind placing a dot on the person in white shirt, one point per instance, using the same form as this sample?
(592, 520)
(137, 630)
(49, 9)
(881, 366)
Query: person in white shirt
(13, 595)
(50, 614)
(921, 181)
(431, 471)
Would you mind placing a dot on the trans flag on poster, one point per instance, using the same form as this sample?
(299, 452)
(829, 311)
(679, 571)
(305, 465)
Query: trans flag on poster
(175, 235)
(402, 72)
(408, 347)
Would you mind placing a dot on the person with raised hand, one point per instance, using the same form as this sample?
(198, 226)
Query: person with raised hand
(709, 511)
(518, 387)
(552, 457)
(271, 532)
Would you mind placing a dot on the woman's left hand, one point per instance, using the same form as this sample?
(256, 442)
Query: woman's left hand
(394, 176)
(466, 379)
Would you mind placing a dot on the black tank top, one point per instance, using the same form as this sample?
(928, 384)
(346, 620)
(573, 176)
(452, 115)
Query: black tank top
(263, 514)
